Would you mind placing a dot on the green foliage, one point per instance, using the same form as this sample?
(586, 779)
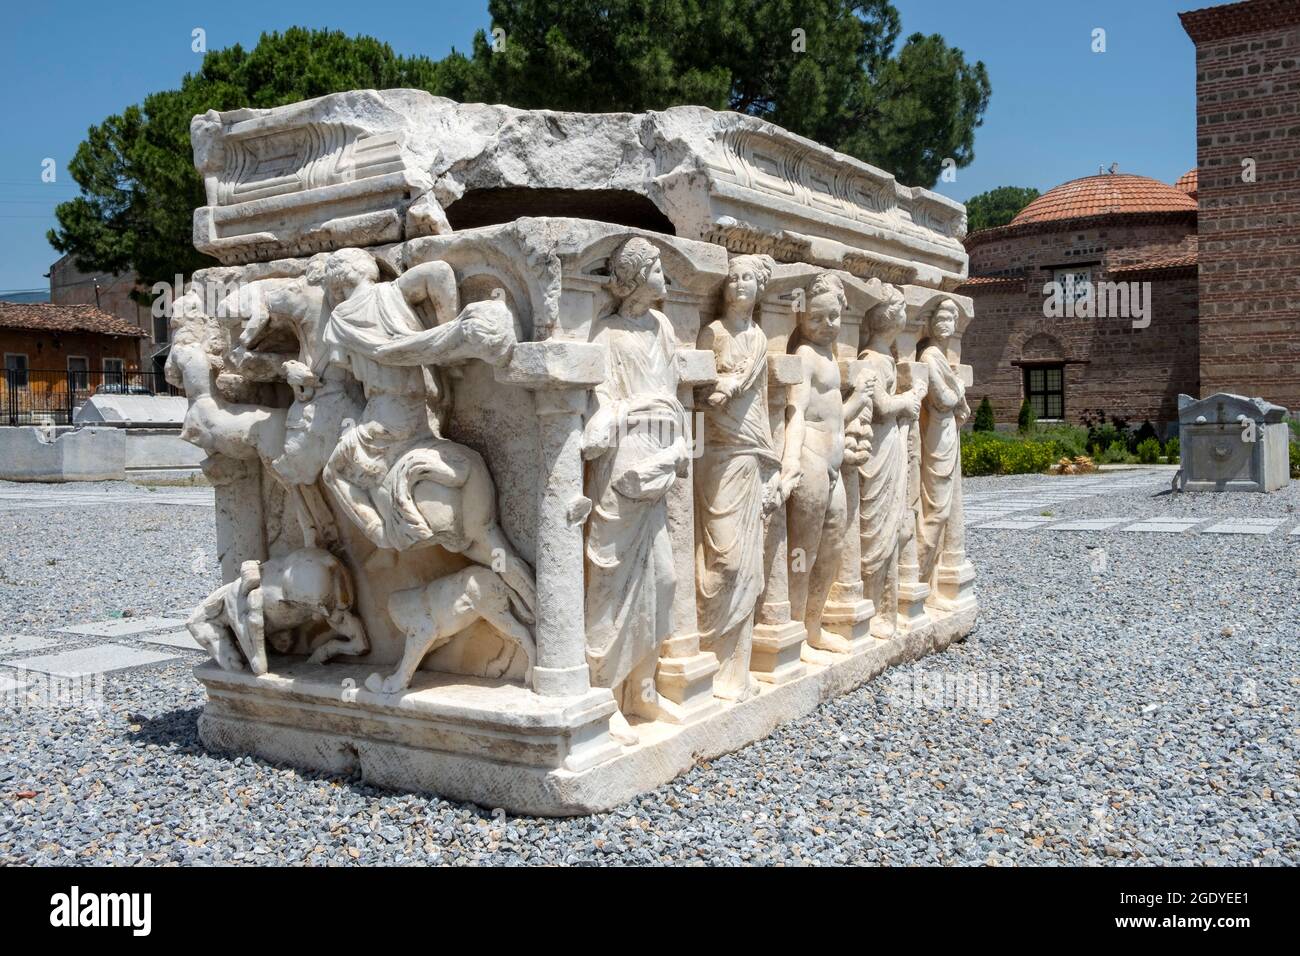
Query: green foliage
(1070, 440)
(1173, 451)
(1026, 420)
(1294, 454)
(1148, 451)
(1116, 453)
(139, 186)
(981, 454)
(904, 107)
(1104, 431)
(984, 416)
(998, 453)
(997, 207)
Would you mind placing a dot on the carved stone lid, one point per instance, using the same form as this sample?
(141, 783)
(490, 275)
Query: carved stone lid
(368, 167)
(1224, 408)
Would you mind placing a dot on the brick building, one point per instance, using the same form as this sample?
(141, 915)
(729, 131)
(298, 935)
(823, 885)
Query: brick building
(1248, 174)
(110, 294)
(55, 356)
(1111, 228)
(1220, 248)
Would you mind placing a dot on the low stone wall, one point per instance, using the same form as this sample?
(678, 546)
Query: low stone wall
(34, 453)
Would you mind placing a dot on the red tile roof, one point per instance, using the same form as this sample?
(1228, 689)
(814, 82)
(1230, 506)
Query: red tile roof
(1166, 264)
(47, 317)
(1103, 195)
(1187, 183)
(1239, 19)
(993, 283)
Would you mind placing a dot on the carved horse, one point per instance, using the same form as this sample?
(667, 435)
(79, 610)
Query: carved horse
(271, 600)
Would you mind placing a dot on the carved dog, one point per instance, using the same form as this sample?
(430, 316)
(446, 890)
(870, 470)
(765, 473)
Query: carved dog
(432, 615)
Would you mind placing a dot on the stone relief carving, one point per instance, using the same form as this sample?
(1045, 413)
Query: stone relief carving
(885, 511)
(814, 454)
(737, 477)
(275, 601)
(536, 513)
(635, 441)
(942, 414)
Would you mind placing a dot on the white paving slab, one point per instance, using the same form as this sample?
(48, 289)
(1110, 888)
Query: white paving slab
(1296, 529)
(1163, 526)
(23, 643)
(100, 659)
(126, 626)
(1015, 524)
(182, 639)
(8, 685)
(1236, 526)
(1090, 524)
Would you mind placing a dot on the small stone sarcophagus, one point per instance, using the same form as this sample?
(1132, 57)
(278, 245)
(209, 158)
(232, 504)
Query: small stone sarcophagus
(1232, 443)
(554, 452)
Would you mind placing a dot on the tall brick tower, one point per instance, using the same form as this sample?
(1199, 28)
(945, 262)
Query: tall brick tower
(1248, 164)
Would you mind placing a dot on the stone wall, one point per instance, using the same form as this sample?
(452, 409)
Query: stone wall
(1248, 108)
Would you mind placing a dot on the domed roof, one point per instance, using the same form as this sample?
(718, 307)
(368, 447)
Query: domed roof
(1103, 195)
(1187, 183)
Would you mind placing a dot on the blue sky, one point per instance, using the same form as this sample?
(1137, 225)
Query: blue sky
(1058, 110)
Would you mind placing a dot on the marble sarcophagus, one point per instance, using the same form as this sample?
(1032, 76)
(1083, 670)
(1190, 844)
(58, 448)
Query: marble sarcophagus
(554, 452)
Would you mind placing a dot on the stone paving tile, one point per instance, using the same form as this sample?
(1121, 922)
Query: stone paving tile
(1237, 526)
(1090, 524)
(22, 643)
(182, 639)
(1015, 524)
(126, 626)
(1296, 529)
(8, 685)
(1168, 526)
(101, 659)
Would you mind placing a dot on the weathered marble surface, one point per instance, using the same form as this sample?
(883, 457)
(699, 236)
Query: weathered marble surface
(533, 509)
(1232, 443)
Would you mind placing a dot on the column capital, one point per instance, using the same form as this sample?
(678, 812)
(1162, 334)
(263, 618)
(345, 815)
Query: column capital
(554, 364)
(784, 370)
(696, 367)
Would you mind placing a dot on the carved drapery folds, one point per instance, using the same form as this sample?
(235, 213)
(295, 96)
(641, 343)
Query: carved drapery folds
(501, 509)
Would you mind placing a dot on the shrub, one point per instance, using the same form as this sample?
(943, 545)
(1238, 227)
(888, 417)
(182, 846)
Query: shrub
(1146, 433)
(993, 453)
(1104, 431)
(1071, 440)
(980, 454)
(1148, 451)
(984, 416)
(1172, 451)
(1115, 453)
(1024, 458)
(1295, 459)
(1027, 419)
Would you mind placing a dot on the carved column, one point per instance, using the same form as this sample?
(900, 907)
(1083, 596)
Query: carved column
(912, 591)
(954, 576)
(685, 675)
(241, 530)
(778, 641)
(559, 373)
(848, 614)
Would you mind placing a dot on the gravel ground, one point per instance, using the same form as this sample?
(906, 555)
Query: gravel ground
(1144, 714)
